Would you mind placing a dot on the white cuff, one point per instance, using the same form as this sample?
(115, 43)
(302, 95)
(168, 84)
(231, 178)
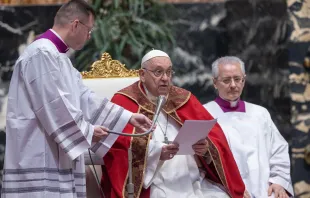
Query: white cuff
(83, 146)
(103, 146)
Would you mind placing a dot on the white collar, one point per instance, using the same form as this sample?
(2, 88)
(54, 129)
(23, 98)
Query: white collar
(58, 36)
(232, 103)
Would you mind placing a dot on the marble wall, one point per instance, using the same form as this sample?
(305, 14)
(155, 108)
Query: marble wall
(299, 62)
(255, 30)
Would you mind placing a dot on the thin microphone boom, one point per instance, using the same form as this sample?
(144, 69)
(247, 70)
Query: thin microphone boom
(160, 103)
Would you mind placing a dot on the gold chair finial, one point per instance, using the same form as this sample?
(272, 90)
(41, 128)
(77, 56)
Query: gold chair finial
(109, 68)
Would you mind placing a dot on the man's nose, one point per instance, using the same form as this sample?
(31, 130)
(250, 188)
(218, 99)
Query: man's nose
(165, 76)
(233, 84)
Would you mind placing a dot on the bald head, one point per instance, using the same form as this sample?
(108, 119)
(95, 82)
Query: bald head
(74, 9)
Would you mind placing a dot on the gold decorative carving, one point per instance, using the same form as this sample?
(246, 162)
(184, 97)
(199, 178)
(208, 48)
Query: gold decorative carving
(108, 68)
(307, 154)
(301, 189)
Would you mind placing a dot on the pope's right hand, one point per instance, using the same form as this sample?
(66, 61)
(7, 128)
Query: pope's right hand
(99, 133)
(168, 151)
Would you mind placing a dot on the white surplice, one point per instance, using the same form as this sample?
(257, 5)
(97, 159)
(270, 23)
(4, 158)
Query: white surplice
(50, 123)
(260, 151)
(179, 176)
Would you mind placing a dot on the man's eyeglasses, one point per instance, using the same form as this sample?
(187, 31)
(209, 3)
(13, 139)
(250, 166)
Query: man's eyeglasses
(90, 30)
(228, 80)
(159, 72)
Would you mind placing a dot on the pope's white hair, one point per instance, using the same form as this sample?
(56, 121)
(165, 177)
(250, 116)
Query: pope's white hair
(145, 64)
(226, 60)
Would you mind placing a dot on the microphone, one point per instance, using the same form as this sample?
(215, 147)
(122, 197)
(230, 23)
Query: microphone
(160, 103)
(161, 100)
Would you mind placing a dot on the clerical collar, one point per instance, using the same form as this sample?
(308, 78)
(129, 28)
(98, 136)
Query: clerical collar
(227, 106)
(55, 39)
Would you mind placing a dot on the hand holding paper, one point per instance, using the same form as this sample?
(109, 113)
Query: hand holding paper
(191, 132)
(201, 147)
(168, 151)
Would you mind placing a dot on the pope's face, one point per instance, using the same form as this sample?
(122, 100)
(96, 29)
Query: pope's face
(156, 75)
(230, 81)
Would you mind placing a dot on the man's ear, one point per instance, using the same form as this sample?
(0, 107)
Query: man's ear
(214, 83)
(73, 26)
(142, 75)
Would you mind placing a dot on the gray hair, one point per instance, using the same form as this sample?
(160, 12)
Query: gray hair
(145, 64)
(226, 60)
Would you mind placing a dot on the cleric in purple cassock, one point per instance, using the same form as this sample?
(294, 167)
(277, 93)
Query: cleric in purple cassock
(259, 149)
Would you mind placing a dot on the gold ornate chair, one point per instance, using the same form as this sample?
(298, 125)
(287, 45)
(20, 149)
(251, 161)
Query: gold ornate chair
(105, 78)
(108, 76)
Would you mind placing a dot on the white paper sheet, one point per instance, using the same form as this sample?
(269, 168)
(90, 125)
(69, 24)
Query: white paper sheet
(191, 132)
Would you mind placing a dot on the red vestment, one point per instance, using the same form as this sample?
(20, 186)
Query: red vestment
(181, 105)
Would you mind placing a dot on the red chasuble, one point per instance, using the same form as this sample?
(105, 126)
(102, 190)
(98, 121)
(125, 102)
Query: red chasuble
(181, 105)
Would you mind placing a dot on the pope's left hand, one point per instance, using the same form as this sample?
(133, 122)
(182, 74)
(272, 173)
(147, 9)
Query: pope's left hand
(279, 191)
(201, 147)
(140, 121)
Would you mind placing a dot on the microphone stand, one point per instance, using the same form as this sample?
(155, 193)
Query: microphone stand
(130, 186)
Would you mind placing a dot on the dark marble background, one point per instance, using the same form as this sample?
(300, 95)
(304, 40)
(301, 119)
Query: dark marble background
(257, 32)
(254, 30)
